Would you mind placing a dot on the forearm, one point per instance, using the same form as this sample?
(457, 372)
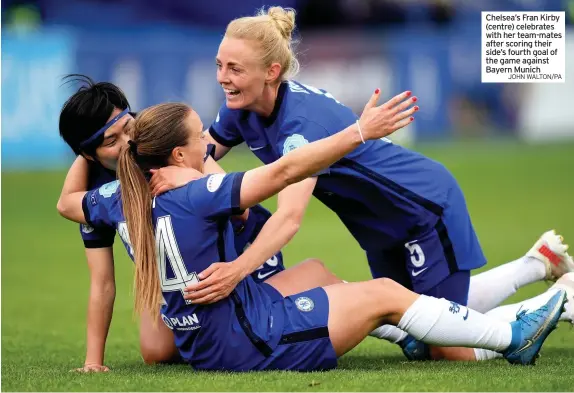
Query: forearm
(100, 310)
(274, 235)
(210, 166)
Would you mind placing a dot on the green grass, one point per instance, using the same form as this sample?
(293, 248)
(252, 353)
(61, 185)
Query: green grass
(514, 193)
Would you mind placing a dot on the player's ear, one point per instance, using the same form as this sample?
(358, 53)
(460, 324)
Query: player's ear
(273, 73)
(88, 157)
(177, 155)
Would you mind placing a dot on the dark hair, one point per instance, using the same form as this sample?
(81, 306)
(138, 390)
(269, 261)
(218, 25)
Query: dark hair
(154, 133)
(88, 110)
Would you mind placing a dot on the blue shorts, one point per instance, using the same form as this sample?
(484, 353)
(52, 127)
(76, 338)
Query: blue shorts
(294, 336)
(429, 257)
(305, 344)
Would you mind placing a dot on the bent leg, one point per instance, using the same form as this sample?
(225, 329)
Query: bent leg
(355, 309)
(453, 288)
(157, 344)
(309, 274)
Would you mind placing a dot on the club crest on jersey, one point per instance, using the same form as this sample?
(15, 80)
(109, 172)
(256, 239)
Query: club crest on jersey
(108, 189)
(304, 304)
(214, 181)
(294, 141)
(87, 228)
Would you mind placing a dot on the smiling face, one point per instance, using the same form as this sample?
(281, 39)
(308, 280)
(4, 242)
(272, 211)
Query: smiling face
(115, 138)
(240, 73)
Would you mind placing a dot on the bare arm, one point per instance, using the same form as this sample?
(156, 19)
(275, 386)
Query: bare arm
(100, 305)
(281, 226)
(220, 150)
(210, 166)
(265, 181)
(70, 203)
(219, 279)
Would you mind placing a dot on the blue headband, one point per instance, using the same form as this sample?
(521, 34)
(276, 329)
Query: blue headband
(100, 133)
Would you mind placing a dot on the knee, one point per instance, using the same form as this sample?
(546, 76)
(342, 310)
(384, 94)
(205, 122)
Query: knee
(314, 262)
(390, 294)
(154, 354)
(315, 266)
(388, 285)
(158, 348)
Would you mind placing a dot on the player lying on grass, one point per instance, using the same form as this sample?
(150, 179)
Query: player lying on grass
(93, 111)
(406, 211)
(92, 123)
(257, 327)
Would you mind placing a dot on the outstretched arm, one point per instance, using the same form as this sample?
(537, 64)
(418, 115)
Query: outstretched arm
(263, 182)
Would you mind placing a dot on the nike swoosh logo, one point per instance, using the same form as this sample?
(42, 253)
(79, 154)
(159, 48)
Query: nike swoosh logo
(524, 348)
(530, 342)
(255, 148)
(416, 273)
(261, 276)
(466, 316)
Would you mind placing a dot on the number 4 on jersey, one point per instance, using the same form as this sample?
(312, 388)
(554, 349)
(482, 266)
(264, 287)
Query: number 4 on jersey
(168, 251)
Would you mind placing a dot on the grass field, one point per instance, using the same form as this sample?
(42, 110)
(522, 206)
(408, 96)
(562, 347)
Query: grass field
(514, 193)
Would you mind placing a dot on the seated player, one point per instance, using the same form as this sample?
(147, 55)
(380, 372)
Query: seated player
(256, 328)
(92, 123)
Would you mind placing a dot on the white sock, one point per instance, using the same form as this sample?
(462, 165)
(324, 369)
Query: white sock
(485, 354)
(488, 289)
(443, 323)
(390, 333)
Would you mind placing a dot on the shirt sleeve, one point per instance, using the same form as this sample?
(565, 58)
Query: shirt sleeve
(210, 152)
(224, 129)
(216, 195)
(97, 237)
(97, 205)
(299, 132)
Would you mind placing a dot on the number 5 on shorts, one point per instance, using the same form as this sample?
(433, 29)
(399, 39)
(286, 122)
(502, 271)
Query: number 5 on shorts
(416, 253)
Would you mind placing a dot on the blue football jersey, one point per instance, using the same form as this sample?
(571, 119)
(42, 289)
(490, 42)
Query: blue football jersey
(192, 231)
(103, 236)
(382, 192)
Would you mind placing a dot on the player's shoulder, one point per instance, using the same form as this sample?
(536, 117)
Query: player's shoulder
(308, 103)
(201, 187)
(107, 194)
(109, 189)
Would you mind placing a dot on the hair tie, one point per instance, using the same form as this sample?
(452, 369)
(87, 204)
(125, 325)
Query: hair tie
(133, 147)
